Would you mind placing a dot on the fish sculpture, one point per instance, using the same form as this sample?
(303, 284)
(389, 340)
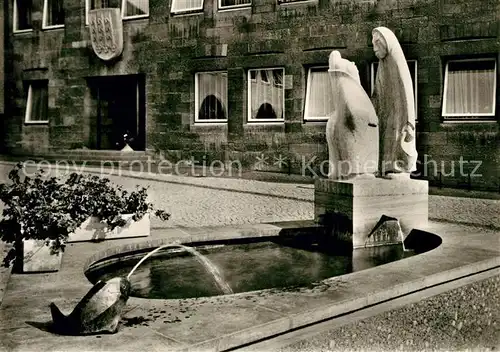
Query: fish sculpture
(99, 311)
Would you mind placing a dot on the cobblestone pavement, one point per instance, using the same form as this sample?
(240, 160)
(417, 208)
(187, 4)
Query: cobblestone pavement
(205, 201)
(210, 202)
(466, 318)
(465, 210)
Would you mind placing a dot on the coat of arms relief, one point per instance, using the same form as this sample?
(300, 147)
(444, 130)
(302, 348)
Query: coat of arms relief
(106, 32)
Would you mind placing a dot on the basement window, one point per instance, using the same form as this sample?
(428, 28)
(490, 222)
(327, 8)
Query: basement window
(266, 95)
(234, 4)
(182, 6)
(284, 2)
(22, 16)
(132, 9)
(318, 95)
(211, 97)
(53, 14)
(470, 89)
(37, 102)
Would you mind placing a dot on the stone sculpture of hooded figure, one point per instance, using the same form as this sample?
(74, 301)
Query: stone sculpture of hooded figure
(395, 106)
(352, 129)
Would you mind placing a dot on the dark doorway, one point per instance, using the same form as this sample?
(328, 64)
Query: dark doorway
(119, 112)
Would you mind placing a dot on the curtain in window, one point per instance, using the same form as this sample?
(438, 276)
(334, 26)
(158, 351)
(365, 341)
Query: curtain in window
(24, 9)
(319, 97)
(212, 96)
(186, 5)
(136, 7)
(470, 87)
(266, 94)
(225, 3)
(55, 12)
(39, 102)
(100, 4)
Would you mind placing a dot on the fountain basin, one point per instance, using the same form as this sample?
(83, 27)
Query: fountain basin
(245, 265)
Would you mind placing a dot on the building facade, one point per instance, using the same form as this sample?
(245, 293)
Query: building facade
(246, 80)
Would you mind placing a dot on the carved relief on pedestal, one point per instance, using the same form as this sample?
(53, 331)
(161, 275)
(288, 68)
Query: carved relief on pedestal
(106, 32)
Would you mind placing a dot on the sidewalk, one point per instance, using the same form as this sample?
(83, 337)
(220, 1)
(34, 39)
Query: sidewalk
(222, 322)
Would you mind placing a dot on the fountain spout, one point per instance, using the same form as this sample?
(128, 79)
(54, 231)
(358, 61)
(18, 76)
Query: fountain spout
(207, 264)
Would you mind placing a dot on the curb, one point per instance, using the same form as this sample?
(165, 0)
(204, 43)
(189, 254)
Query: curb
(317, 315)
(4, 273)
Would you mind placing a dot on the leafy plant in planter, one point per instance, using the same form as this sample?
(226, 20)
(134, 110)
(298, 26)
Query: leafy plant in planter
(49, 209)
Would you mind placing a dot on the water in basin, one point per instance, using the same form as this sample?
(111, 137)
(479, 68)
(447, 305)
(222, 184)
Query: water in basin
(175, 273)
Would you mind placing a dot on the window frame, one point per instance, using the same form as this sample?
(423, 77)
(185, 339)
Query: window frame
(308, 92)
(87, 9)
(134, 17)
(127, 18)
(232, 7)
(250, 119)
(29, 104)
(186, 11)
(15, 20)
(470, 117)
(415, 83)
(45, 15)
(197, 102)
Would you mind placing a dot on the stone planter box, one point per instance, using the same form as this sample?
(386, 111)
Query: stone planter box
(37, 257)
(94, 230)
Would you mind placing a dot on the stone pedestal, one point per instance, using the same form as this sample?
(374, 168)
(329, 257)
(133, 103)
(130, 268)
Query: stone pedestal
(353, 208)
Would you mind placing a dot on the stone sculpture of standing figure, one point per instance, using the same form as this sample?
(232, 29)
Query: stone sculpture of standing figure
(352, 129)
(395, 105)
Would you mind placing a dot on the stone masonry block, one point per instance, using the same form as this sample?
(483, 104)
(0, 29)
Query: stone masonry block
(363, 202)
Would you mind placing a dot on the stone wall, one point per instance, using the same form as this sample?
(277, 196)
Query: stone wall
(2, 66)
(2, 62)
(169, 50)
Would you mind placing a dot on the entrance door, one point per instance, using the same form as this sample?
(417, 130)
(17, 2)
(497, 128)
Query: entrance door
(120, 112)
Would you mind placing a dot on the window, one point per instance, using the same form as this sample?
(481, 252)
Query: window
(318, 94)
(99, 4)
(211, 97)
(53, 14)
(469, 88)
(266, 95)
(225, 4)
(282, 2)
(412, 66)
(186, 5)
(37, 102)
(22, 15)
(135, 8)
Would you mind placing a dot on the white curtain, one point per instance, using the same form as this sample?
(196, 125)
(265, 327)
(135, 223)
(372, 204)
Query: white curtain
(470, 88)
(39, 101)
(186, 5)
(212, 95)
(319, 102)
(266, 93)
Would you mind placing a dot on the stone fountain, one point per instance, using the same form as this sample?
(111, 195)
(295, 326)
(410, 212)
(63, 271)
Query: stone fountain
(369, 198)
